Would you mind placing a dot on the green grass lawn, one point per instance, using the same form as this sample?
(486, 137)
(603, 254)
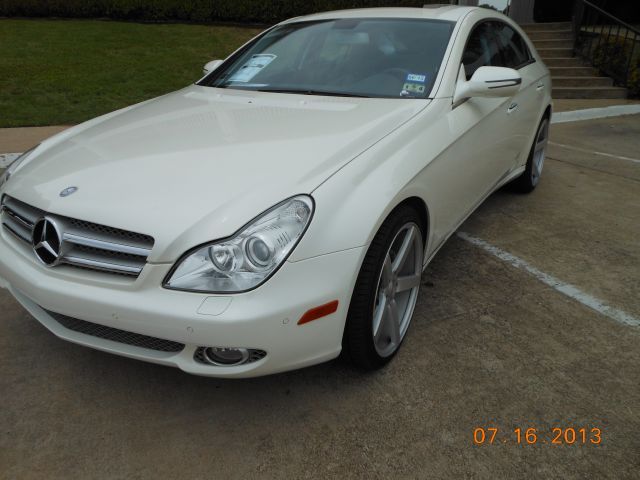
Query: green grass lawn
(55, 72)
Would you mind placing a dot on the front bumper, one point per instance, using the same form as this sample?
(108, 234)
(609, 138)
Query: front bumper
(265, 318)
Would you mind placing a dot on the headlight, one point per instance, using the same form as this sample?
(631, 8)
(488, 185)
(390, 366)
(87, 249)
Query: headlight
(4, 178)
(248, 258)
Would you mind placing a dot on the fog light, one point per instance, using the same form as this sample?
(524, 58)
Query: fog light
(225, 356)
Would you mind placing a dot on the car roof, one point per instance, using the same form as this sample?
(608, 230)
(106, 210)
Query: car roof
(437, 12)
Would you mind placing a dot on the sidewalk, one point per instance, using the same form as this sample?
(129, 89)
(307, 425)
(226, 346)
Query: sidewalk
(20, 139)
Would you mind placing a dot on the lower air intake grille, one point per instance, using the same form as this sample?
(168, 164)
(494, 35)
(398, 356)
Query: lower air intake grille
(116, 335)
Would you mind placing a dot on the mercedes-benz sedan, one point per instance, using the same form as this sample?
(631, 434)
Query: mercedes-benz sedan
(281, 210)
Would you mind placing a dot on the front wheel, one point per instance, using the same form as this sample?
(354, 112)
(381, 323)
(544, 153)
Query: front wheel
(531, 176)
(386, 291)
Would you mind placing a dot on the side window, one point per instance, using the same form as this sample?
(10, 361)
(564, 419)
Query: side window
(512, 46)
(481, 49)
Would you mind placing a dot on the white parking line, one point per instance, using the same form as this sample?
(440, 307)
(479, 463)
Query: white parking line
(562, 287)
(602, 154)
(7, 158)
(592, 113)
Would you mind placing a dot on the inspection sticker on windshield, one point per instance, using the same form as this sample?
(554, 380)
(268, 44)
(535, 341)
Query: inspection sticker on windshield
(412, 77)
(254, 66)
(413, 85)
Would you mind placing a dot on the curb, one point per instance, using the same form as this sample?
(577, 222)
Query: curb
(594, 113)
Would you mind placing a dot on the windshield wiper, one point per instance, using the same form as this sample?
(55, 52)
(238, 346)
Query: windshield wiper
(306, 91)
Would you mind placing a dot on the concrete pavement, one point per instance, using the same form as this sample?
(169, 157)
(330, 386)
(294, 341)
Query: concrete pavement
(490, 347)
(20, 139)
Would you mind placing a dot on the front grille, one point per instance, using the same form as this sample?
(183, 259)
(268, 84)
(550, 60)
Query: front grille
(82, 244)
(114, 232)
(116, 335)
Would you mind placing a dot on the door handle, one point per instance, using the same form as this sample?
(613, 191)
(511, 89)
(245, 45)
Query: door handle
(540, 87)
(512, 108)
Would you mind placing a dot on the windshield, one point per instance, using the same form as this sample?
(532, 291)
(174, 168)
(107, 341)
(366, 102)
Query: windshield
(373, 57)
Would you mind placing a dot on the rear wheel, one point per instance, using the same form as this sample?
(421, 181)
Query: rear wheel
(386, 291)
(531, 176)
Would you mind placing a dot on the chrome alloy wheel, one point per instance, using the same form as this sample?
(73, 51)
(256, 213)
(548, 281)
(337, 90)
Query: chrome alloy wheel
(539, 151)
(397, 291)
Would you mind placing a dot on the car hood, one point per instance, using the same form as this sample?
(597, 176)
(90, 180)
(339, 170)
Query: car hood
(197, 164)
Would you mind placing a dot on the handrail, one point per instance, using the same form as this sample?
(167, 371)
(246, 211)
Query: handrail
(615, 19)
(593, 28)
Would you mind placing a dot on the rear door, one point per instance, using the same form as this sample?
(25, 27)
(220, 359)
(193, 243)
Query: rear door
(525, 105)
(478, 159)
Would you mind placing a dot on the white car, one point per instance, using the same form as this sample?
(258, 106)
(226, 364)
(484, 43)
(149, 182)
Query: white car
(281, 210)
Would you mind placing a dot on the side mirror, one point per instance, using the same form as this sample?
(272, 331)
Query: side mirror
(488, 82)
(211, 66)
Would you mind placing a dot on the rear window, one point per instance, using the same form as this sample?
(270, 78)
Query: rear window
(512, 46)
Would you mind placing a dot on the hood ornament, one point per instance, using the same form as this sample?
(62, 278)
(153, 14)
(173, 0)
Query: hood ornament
(47, 241)
(68, 191)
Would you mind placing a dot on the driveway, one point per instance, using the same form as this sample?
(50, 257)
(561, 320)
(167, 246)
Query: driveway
(491, 346)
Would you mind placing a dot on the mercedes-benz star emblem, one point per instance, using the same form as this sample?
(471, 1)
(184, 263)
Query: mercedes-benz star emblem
(68, 191)
(46, 241)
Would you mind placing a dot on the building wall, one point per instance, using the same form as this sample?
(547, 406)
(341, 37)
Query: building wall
(522, 10)
(530, 11)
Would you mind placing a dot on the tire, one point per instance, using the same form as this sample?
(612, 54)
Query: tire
(386, 291)
(530, 178)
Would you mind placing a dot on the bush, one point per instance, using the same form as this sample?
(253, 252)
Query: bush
(614, 56)
(205, 11)
(633, 83)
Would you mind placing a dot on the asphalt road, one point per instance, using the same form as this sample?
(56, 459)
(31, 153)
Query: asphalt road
(490, 347)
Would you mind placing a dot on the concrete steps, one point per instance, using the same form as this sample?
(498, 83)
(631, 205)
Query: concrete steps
(580, 71)
(555, 52)
(542, 35)
(582, 81)
(563, 62)
(589, 92)
(570, 76)
(537, 27)
(553, 43)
